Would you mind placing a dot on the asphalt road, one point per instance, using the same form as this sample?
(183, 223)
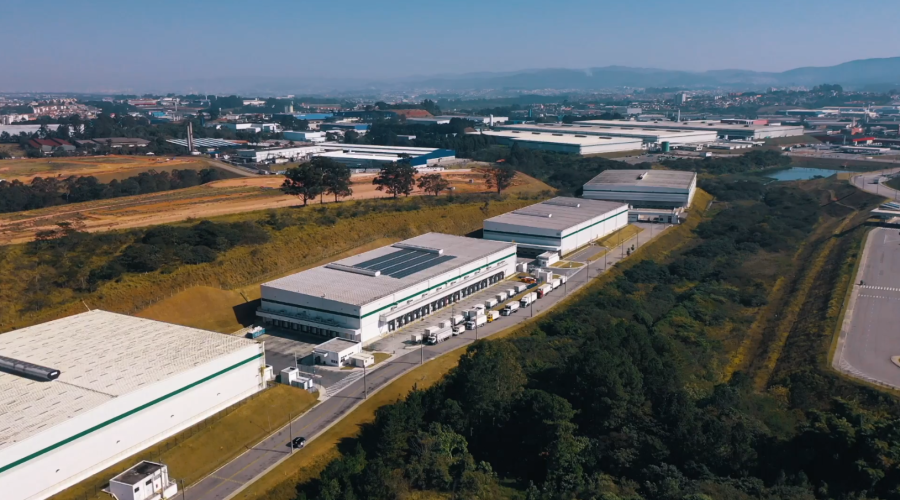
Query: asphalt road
(256, 461)
(869, 334)
(872, 183)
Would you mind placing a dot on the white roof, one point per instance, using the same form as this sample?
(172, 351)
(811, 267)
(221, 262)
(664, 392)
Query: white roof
(643, 130)
(559, 213)
(689, 125)
(360, 289)
(551, 136)
(653, 178)
(100, 356)
(336, 344)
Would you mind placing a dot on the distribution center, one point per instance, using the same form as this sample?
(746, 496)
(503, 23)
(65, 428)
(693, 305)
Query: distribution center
(643, 188)
(578, 144)
(558, 225)
(82, 393)
(362, 297)
(722, 129)
(650, 136)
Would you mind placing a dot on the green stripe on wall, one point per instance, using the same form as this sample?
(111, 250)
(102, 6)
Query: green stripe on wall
(125, 415)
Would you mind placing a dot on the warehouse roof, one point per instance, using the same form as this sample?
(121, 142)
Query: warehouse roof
(559, 213)
(688, 125)
(101, 356)
(369, 276)
(612, 129)
(640, 178)
(559, 138)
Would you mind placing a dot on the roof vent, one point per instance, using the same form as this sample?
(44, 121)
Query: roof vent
(563, 203)
(27, 369)
(545, 215)
(353, 269)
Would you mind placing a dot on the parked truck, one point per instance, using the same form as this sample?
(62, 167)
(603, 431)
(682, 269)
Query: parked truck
(510, 308)
(501, 297)
(256, 332)
(527, 299)
(521, 288)
(438, 337)
(492, 315)
(510, 293)
(458, 319)
(415, 338)
(543, 290)
(479, 320)
(555, 283)
(489, 303)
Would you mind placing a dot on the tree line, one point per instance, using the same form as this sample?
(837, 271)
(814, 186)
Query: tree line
(616, 396)
(323, 176)
(43, 192)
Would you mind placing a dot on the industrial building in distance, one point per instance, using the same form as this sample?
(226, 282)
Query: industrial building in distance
(755, 130)
(578, 144)
(82, 393)
(557, 225)
(643, 188)
(650, 136)
(368, 295)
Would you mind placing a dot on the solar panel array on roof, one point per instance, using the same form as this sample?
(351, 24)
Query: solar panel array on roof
(404, 263)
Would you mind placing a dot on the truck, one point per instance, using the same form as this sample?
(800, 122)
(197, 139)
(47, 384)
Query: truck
(256, 332)
(563, 277)
(501, 297)
(543, 290)
(521, 288)
(527, 299)
(489, 303)
(510, 308)
(438, 337)
(492, 315)
(510, 293)
(555, 283)
(479, 320)
(458, 330)
(415, 338)
(457, 320)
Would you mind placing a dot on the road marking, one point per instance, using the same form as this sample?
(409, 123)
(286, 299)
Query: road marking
(885, 288)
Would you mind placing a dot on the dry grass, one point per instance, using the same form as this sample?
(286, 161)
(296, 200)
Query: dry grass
(564, 264)
(203, 307)
(104, 168)
(13, 150)
(614, 239)
(195, 453)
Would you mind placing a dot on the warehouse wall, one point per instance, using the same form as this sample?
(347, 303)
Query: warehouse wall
(597, 227)
(102, 439)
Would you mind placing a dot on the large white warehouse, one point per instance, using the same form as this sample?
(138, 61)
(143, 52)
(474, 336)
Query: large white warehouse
(651, 136)
(362, 297)
(559, 225)
(723, 130)
(566, 143)
(643, 188)
(101, 386)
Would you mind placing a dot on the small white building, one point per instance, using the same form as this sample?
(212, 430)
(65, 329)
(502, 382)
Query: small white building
(559, 225)
(336, 352)
(362, 359)
(301, 153)
(144, 481)
(304, 135)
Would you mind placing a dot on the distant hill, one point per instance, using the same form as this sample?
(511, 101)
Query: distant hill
(859, 73)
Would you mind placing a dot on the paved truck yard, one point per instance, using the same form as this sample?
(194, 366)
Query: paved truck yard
(869, 336)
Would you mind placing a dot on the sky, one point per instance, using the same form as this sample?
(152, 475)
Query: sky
(165, 45)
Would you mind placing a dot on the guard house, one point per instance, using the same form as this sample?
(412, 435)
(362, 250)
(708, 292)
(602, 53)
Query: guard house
(336, 352)
(144, 481)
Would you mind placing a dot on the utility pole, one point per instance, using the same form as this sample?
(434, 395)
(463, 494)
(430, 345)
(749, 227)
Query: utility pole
(291, 430)
(365, 381)
(422, 352)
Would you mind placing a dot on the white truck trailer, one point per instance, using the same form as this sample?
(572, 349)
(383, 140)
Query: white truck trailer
(527, 299)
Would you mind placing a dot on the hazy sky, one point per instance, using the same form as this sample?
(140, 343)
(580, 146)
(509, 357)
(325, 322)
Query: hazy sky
(124, 44)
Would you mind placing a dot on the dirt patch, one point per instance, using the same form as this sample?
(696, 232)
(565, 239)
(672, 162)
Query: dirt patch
(104, 168)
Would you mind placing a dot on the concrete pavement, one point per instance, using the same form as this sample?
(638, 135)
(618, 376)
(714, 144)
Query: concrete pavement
(869, 335)
(232, 478)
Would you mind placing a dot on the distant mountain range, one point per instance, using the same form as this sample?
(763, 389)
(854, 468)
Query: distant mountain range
(883, 72)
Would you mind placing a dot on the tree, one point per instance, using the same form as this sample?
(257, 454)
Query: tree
(396, 179)
(304, 181)
(499, 177)
(335, 177)
(433, 183)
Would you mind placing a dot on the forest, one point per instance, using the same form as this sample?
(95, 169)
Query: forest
(618, 395)
(41, 192)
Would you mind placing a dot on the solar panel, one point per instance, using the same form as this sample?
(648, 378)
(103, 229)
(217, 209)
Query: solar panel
(421, 267)
(384, 258)
(409, 262)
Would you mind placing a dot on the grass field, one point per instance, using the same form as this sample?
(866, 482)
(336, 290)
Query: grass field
(839, 164)
(104, 168)
(229, 196)
(563, 264)
(13, 150)
(198, 451)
